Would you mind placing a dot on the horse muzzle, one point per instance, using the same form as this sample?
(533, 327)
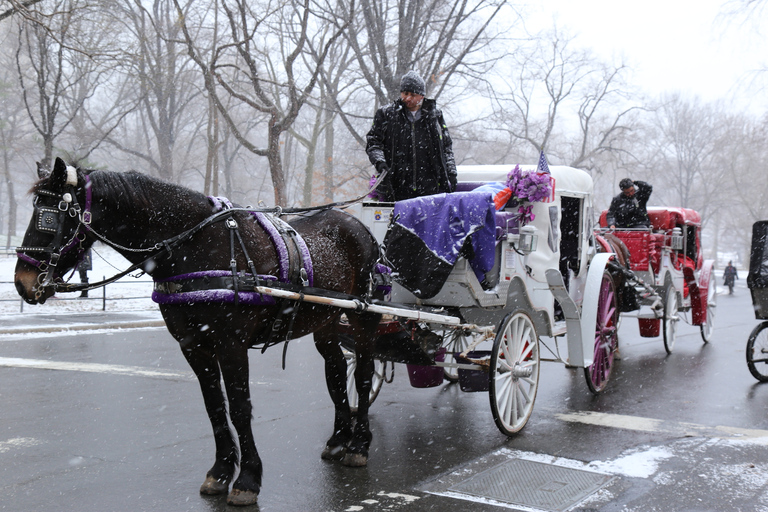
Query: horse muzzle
(29, 288)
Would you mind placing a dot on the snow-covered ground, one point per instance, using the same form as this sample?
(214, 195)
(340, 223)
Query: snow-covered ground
(127, 294)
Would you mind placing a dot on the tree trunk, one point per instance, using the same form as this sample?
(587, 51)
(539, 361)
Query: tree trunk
(328, 160)
(276, 167)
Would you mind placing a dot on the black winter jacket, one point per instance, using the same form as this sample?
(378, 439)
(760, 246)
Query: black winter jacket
(419, 154)
(630, 211)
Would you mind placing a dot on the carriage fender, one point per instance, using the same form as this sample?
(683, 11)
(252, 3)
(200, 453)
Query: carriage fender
(699, 293)
(582, 354)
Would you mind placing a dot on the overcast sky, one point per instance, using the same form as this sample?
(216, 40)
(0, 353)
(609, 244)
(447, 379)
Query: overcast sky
(672, 45)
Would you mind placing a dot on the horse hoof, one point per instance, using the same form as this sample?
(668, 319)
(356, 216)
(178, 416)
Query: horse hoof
(240, 498)
(355, 460)
(213, 486)
(334, 453)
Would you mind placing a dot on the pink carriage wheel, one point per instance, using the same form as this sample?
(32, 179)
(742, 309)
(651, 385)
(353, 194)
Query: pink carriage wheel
(606, 336)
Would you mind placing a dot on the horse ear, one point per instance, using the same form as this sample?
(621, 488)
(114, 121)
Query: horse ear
(59, 174)
(42, 171)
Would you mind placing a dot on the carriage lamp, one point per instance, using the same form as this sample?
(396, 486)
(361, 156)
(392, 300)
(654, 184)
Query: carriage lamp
(527, 240)
(677, 239)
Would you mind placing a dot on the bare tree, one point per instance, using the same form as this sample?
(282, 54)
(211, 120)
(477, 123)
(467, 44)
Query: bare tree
(261, 67)
(164, 87)
(684, 150)
(14, 127)
(43, 68)
(562, 100)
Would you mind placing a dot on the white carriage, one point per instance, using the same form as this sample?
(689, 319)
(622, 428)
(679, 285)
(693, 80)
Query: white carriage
(548, 297)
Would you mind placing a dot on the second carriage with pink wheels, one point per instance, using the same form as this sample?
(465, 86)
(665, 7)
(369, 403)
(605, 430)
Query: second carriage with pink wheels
(662, 273)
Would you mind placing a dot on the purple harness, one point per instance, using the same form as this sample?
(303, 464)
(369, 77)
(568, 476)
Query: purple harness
(220, 286)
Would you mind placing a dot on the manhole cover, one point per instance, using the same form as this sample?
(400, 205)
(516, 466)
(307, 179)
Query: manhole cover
(533, 484)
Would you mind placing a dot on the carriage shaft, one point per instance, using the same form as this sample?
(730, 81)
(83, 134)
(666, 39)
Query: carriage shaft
(360, 305)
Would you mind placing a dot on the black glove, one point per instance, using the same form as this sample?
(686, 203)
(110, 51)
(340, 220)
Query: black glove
(381, 168)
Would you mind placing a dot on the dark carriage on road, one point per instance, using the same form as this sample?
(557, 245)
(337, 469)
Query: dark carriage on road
(757, 281)
(665, 276)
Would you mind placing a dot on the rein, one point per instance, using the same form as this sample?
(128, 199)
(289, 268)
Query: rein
(52, 220)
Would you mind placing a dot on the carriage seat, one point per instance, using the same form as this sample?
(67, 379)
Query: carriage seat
(660, 220)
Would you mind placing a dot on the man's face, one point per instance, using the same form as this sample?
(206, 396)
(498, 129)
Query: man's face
(629, 191)
(412, 100)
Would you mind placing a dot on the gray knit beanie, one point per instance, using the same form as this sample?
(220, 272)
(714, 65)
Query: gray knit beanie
(412, 82)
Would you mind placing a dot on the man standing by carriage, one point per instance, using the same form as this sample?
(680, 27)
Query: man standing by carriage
(628, 209)
(409, 141)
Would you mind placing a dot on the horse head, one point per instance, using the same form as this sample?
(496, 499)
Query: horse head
(57, 235)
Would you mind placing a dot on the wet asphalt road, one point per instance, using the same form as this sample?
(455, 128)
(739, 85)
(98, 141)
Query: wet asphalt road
(115, 421)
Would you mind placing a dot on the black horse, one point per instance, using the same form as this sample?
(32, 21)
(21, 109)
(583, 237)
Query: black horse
(170, 231)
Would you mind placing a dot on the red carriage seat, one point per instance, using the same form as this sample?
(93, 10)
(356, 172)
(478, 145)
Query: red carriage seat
(661, 220)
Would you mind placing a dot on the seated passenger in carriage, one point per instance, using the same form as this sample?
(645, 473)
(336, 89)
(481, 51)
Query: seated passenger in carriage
(628, 209)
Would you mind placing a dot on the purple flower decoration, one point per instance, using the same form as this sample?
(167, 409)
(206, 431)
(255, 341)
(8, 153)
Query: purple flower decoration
(529, 187)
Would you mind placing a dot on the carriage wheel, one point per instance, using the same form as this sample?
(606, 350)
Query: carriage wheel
(379, 368)
(514, 372)
(757, 352)
(457, 342)
(606, 336)
(670, 318)
(708, 326)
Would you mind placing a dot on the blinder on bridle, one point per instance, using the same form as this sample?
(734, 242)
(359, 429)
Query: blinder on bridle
(50, 220)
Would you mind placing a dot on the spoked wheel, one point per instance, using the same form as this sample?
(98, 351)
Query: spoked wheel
(514, 372)
(379, 368)
(708, 326)
(757, 352)
(606, 336)
(671, 318)
(456, 342)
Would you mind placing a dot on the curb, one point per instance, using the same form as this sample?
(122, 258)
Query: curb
(82, 327)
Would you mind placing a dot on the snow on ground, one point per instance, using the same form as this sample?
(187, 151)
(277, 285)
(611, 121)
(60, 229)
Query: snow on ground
(131, 293)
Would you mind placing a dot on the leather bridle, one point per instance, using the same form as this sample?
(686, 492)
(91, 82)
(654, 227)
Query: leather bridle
(52, 220)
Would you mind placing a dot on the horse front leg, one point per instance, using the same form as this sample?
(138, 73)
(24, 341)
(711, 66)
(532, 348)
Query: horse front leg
(233, 361)
(206, 368)
(336, 381)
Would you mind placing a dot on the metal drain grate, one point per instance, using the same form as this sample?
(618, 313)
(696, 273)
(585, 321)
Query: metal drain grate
(533, 484)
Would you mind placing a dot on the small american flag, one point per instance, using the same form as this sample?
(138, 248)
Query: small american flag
(543, 167)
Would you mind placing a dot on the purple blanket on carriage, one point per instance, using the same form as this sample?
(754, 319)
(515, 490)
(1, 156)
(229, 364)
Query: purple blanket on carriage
(430, 233)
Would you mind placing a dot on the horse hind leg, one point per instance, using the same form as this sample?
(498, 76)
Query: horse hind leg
(336, 381)
(206, 369)
(357, 450)
(364, 331)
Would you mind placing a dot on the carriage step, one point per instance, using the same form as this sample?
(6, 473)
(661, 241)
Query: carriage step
(393, 343)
